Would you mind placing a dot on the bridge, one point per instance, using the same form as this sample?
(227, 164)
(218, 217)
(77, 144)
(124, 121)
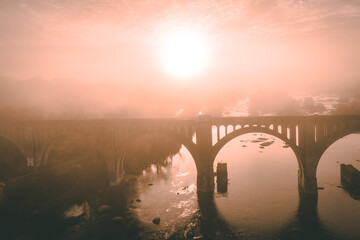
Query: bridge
(204, 137)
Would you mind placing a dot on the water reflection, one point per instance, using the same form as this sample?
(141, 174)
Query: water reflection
(306, 223)
(212, 224)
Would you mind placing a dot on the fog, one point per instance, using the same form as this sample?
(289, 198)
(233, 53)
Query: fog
(100, 58)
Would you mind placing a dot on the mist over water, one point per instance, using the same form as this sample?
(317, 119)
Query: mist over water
(102, 60)
(39, 99)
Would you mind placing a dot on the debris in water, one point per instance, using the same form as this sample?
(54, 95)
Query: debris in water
(265, 144)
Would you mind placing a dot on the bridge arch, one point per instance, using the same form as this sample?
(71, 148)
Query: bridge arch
(178, 138)
(223, 141)
(266, 130)
(331, 141)
(12, 142)
(16, 166)
(48, 146)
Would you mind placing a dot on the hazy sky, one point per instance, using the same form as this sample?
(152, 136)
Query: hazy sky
(290, 44)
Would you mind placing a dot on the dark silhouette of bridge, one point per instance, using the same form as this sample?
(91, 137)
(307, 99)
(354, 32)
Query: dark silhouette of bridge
(308, 137)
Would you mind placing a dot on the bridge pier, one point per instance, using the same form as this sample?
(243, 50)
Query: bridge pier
(307, 177)
(308, 159)
(205, 178)
(205, 159)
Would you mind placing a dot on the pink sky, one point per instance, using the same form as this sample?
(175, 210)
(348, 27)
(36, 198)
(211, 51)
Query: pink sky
(283, 44)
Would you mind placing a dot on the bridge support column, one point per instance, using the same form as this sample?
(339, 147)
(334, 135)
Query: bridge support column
(204, 161)
(309, 160)
(307, 177)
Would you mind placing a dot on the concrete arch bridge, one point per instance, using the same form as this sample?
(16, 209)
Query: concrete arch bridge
(308, 137)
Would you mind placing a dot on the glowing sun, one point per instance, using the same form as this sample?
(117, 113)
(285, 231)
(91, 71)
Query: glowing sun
(184, 54)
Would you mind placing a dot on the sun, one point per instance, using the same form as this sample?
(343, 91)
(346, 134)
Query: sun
(184, 54)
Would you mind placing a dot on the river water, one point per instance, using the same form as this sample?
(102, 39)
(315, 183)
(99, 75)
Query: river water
(262, 200)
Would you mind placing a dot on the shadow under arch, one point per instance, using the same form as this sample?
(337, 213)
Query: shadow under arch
(222, 142)
(63, 182)
(12, 167)
(177, 138)
(73, 165)
(46, 149)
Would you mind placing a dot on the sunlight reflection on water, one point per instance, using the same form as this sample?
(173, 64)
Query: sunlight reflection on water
(173, 198)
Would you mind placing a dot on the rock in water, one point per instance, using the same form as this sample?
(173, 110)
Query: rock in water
(156, 220)
(103, 208)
